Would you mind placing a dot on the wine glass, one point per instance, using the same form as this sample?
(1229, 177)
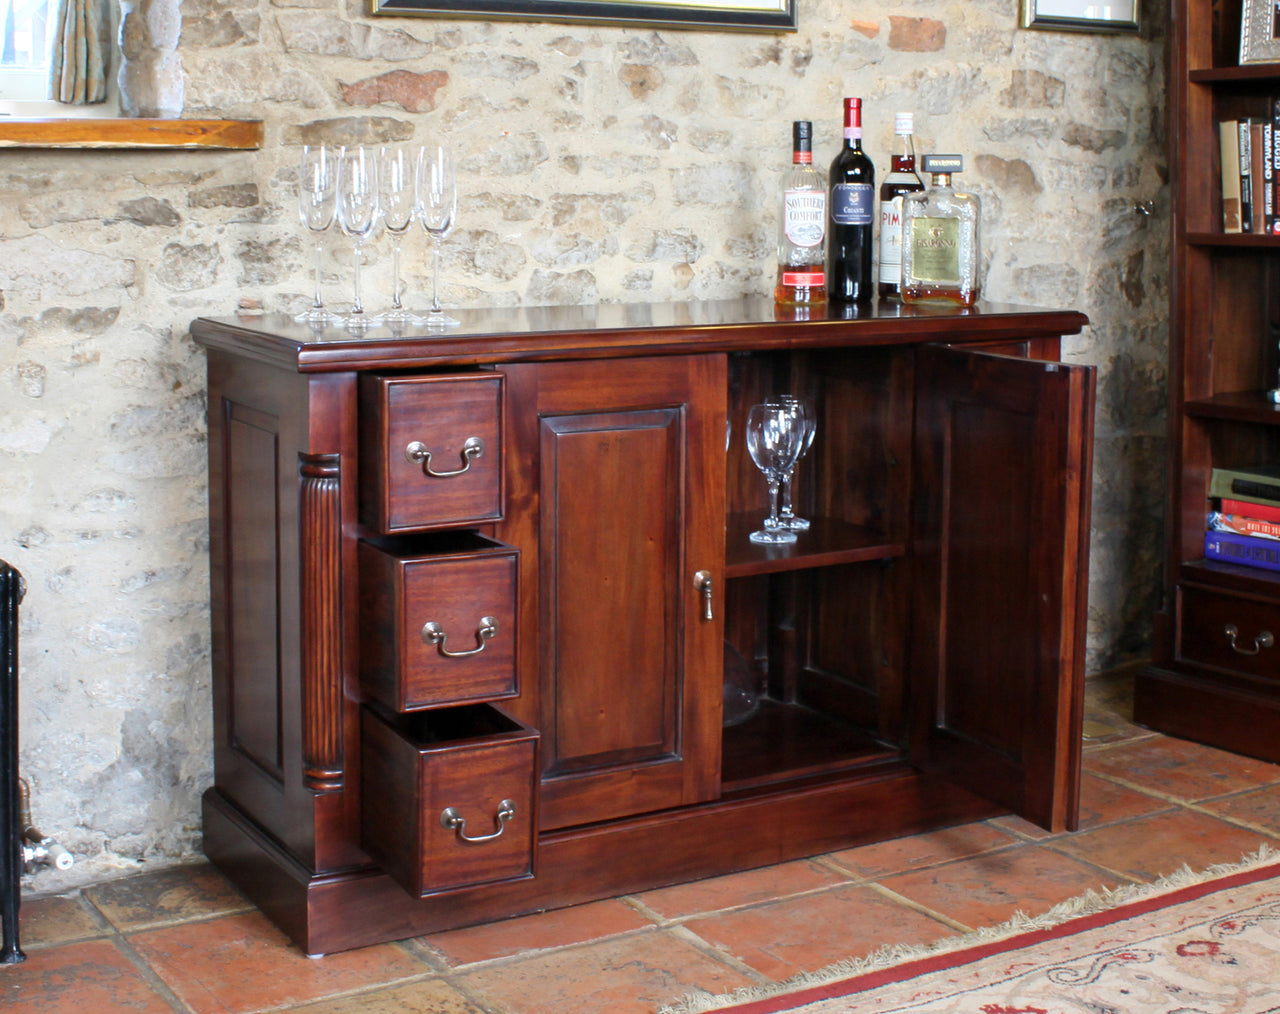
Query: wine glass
(317, 203)
(399, 204)
(437, 210)
(775, 434)
(358, 210)
(810, 424)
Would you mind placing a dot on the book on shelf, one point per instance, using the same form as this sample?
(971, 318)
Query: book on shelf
(1241, 524)
(1244, 142)
(1255, 485)
(1243, 508)
(1262, 196)
(1229, 159)
(1242, 549)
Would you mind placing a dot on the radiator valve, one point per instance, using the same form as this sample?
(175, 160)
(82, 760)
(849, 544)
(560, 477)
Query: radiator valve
(36, 846)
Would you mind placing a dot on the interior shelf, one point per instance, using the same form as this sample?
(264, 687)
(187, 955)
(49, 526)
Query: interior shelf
(1247, 72)
(783, 742)
(1231, 576)
(1236, 406)
(1237, 239)
(827, 543)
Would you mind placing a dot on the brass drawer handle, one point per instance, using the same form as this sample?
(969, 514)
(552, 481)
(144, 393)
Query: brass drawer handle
(417, 453)
(1263, 640)
(702, 581)
(435, 634)
(452, 820)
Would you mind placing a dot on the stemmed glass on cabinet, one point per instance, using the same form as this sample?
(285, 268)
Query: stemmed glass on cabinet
(437, 210)
(358, 209)
(317, 204)
(775, 434)
(787, 517)
(399, 205)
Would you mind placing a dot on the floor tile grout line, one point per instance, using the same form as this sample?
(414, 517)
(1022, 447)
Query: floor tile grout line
(705, 946)
(150, 976)
(890, 894)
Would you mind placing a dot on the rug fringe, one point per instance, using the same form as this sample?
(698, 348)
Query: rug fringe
(1089, 903)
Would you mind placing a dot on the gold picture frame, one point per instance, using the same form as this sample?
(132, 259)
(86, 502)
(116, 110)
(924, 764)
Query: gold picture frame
(1258, 32)
(724, 15)
(1081, 15)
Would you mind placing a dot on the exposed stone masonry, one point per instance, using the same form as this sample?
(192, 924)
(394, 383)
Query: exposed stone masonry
(598, 163)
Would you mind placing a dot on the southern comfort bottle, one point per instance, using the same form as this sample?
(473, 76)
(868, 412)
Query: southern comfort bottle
(802, 227)
(901, 179)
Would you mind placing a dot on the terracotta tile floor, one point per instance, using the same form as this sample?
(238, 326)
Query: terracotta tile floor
(184, 940)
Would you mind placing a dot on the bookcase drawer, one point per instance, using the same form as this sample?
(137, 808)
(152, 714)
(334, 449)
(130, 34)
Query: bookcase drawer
(430, 451)
(1230, 632)
(447, 797)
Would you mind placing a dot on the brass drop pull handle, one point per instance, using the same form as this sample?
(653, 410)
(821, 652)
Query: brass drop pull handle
(1263, 640)
(435, 634)
(417, 453)
(452, 820)
(702, 581)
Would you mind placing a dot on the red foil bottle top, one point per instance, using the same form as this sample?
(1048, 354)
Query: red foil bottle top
(853, 117)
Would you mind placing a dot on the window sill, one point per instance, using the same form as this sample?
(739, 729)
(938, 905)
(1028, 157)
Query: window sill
(52, 132)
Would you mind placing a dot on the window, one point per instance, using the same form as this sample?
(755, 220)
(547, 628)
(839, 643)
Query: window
(25, 48)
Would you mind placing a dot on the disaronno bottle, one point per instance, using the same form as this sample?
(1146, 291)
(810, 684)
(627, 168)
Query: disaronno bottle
(940, 239)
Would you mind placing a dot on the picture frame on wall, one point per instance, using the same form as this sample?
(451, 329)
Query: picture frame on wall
(742, 15)
(1081, 15)
(1259, 31)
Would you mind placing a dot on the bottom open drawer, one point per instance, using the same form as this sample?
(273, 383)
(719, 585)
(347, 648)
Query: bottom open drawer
(447, 797)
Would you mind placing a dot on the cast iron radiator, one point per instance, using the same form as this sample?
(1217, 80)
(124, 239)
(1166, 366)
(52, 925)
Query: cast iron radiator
(11, 591)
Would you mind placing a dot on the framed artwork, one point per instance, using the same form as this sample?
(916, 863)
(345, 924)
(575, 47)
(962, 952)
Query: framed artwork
(1258, 42)
(1081, 15)
(757, 15)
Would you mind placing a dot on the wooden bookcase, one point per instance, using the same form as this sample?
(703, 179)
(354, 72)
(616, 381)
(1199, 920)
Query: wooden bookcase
(1205, 683)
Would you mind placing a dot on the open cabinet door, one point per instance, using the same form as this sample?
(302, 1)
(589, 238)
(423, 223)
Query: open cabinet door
(1001, 540)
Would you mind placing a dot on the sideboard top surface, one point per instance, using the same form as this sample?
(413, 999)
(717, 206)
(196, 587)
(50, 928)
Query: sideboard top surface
(511, 334)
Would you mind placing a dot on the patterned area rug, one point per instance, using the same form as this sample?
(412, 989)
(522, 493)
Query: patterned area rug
(1192, 944)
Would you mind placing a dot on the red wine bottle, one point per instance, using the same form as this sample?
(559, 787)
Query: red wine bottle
(852, 212)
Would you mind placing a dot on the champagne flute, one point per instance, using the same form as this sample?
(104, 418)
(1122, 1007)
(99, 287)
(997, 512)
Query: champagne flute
(774, 437)
(810, 424)
(317, 204)
(358, 210)
(437, 210)
(399, 205)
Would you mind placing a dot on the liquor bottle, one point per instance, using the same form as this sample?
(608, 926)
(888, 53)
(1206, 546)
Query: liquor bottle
(940, 239)
(902, 179)
(803, 224)
(852, 214)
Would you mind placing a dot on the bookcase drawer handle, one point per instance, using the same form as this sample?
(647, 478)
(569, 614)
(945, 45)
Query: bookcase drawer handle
(435, 634)
(417, 453)
(452, 820)
(1263, 640)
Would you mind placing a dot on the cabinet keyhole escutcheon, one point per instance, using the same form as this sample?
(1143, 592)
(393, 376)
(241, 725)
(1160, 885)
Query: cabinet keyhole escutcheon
(702, 580)
(1263, 640)
(435, 634)
(417, 453)
(452, 820)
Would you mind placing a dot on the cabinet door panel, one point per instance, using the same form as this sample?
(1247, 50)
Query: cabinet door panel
(616, 499)
(1001, 546)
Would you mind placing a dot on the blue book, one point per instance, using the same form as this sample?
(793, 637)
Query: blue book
(1244, 549)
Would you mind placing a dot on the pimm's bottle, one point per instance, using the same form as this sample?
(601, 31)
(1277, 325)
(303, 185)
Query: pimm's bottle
(901, 179)
(852, 207)
(802, 226)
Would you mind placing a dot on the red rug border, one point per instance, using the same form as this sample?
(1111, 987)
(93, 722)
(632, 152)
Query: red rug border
(963, 956)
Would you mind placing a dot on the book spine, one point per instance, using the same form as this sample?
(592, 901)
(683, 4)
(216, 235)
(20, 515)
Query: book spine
(1240, 525)
(1246, 183)
(1256, 174)
(1229, 157)
(1226, 483)
(1242, 549)
(1268, 180)
(1275, 165)
(1256, 511)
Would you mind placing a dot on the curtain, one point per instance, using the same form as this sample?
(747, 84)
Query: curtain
(81, 43)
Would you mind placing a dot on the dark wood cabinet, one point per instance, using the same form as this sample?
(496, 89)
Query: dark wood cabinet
(475, 597)
(1215, 677)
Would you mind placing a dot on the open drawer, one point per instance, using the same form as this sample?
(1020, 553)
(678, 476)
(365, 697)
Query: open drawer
(447, 797)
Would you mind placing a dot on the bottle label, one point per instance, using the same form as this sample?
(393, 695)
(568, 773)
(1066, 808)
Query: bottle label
(891, 241)
(806, 278)
(935, 250)
(804, 217)
(852, 204)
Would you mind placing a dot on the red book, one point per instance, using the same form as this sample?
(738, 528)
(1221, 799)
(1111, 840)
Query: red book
(1245, 508)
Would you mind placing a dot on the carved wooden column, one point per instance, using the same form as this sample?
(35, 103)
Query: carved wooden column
(321, 522)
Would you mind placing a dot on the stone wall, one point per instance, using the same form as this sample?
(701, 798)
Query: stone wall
(598, 163)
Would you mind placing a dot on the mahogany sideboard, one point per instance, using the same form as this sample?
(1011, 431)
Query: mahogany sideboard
(475, 594)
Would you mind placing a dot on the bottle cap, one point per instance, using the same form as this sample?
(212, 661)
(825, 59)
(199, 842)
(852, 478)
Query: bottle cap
(942, 163)
(802, 135)
(904, 123)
